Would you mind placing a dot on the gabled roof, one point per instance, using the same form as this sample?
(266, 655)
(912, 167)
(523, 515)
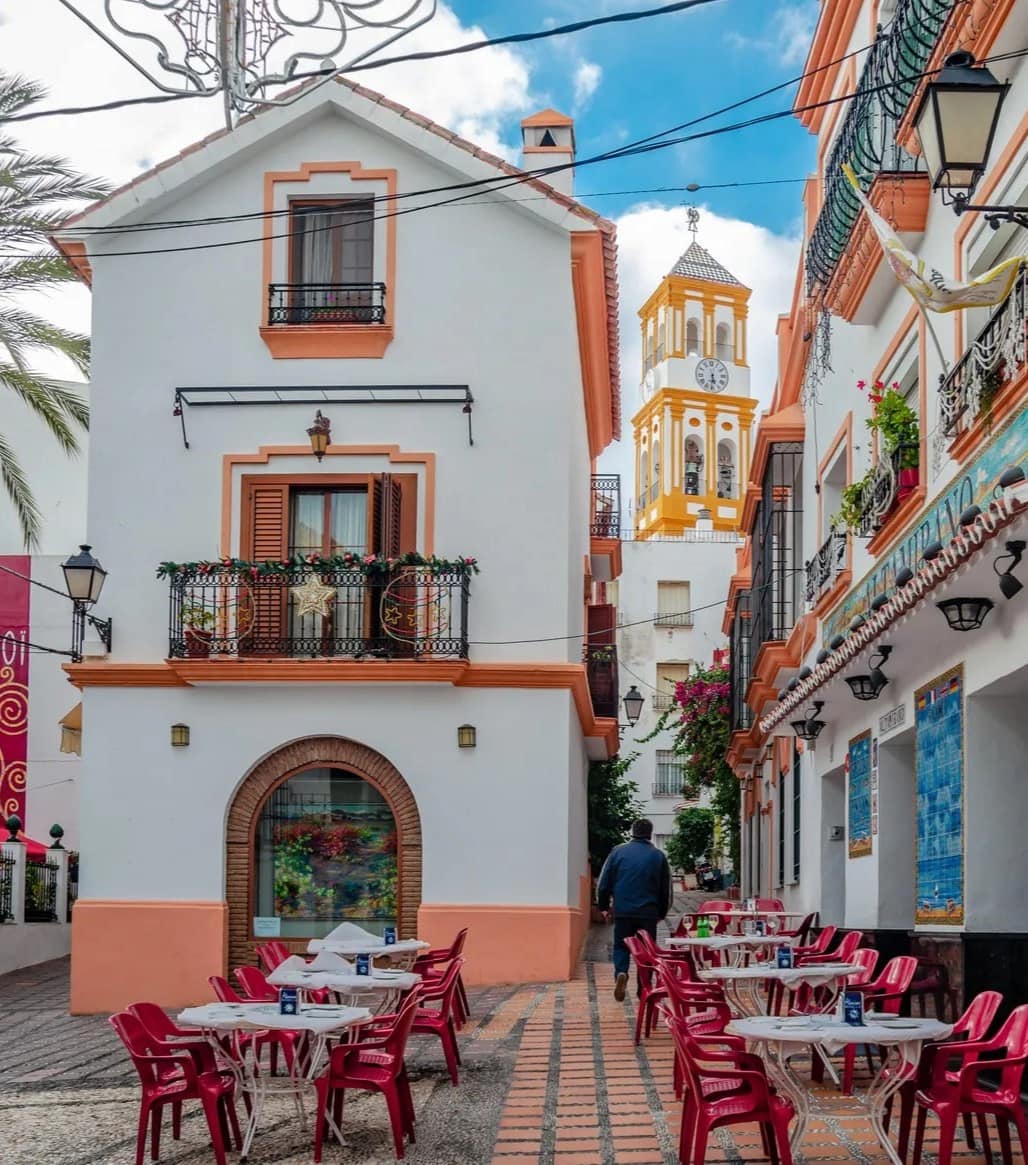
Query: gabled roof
(698, 263)
(548, 117)
(74, 251)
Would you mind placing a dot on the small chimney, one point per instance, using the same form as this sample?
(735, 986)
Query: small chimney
(548, 139)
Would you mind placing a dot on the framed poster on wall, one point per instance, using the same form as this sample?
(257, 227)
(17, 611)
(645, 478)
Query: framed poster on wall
(939, 734)
(859, 795)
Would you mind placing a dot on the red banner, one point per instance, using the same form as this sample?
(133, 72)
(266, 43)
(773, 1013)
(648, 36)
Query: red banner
(14, 683)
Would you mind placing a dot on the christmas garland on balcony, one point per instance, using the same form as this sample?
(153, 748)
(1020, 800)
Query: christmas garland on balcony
(367, 564)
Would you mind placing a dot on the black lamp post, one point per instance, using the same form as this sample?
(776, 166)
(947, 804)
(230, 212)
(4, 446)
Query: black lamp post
(871, 686)
(84, 580)
(956, 123)
(633, 701)
(810, 728)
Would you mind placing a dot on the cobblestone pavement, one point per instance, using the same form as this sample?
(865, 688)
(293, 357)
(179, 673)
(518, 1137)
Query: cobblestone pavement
(550, 1077)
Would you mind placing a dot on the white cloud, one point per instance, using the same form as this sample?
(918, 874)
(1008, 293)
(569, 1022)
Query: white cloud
(786, 36)
(650, 240)
(587, 78)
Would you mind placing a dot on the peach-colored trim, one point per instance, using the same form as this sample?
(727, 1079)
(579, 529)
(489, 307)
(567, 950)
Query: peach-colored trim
(78, 258)
(848, 286)
(292, 342)
(548, 150)
(1008, 401)
(589, 282)
(843, 433)
(837, 589)
(774, 656)
(831, 40)
(897, 520)
(266, 452)
(186, 672)
(547, 117)
(163, 952)
(974, 25)
(507, 944)
(608, 548)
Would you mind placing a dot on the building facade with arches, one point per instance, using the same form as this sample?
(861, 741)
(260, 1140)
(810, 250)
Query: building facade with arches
(348, 680)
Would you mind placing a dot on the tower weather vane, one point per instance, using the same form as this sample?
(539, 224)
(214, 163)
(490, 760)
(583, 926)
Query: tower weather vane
(694, 220)
(244, 49)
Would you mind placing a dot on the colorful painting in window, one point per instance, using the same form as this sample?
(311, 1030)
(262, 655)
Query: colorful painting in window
(326, 853)
(859, 764)
(939, 728)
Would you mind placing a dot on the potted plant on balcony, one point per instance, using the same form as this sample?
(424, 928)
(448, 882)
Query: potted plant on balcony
(850, 514)
(198, 624)
(897, 425)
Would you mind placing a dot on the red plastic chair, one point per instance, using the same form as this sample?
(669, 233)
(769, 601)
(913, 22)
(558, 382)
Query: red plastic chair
(432, 965)
(770, 904)
(711, 1016)
(972, 1026)
(718, 904)
(932, 978)
(374, 1064)
(843, 953)
(867, 959)
(825, 938)
(651, 992)
(951, 1095)
(271, 954)
(160, 1026)
(274, 1040)
(802, 932)
(168, 1075)
(439, 1021)
(884, 994)
(256, 988)
(726, 1087)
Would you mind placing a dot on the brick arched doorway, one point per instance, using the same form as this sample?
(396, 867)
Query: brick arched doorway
(264, 778)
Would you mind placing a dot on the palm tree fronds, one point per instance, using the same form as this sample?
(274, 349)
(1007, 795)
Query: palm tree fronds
(20, 493)
(55, 406)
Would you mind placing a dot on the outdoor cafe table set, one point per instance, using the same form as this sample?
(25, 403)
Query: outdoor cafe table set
(317, 1024)
(781, 1038)
(736, 948)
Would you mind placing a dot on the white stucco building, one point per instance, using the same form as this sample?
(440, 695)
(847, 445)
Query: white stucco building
(39, 779)
(871, 562)
(364, 740)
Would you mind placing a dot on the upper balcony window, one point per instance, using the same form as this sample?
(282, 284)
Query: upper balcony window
(331, 267)
(328, 279)
(692, 337)
(723, 343)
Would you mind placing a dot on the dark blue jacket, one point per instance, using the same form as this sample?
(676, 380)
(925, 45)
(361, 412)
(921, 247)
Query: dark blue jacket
(638, 878)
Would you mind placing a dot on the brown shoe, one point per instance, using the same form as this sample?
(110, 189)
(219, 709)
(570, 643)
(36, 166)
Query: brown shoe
(620, 987)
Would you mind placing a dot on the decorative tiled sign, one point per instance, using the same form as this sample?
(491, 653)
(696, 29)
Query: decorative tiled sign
(859, 796)
(939, 727)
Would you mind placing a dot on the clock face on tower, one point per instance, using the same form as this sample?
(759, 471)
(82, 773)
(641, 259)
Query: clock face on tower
(712, 375)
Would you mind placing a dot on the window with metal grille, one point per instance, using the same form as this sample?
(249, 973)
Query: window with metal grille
(670, 774)
(669, 675)
(797, 815)
(673, 605)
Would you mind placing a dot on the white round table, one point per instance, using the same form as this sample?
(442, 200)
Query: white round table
(776, 916)
(318, 1022)
(742, 983)
(403, 952)
(383, 985)
(782, 1038)
(736, 946)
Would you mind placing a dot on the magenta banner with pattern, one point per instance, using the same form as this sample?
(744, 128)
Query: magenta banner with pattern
(14, 682)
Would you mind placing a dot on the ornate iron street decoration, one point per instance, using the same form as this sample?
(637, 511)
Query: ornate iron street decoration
(245, 49)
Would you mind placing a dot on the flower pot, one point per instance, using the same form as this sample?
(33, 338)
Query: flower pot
(198, 642)
(907, 481)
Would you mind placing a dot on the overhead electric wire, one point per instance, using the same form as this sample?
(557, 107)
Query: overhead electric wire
(423, 55)
(540, 172)
(516, 179)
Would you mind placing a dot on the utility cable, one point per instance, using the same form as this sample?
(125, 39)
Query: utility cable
(520, 178)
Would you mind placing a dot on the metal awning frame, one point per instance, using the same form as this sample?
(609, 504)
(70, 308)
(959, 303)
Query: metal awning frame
(237, 396)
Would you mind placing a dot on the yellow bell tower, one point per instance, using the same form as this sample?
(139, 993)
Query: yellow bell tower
(692, 434)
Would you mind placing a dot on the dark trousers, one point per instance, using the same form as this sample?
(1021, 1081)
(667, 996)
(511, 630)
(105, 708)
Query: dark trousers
(625, 926)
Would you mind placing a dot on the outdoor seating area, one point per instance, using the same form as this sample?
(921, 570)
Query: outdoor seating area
(754, 1037)
(308, 1031)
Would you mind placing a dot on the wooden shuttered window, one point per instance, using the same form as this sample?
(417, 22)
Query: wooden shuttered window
(265, 534)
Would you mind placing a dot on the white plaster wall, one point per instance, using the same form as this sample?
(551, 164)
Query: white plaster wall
(707, 567)
(494, 828)
(32, 943)
(191, 319)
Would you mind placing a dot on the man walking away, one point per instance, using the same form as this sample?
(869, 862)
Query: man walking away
(637, 876)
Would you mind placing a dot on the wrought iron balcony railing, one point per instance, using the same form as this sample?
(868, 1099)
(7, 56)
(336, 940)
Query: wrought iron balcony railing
(825, 567)
(993, 359)
(601, 666)
(326, 303)
(412, 612)
(606, 506)
(673, 619)
(867, 137)
(893, 476)
(740, 660)
(661, 701)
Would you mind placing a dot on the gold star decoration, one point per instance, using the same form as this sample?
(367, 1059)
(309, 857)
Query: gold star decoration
(313, 598)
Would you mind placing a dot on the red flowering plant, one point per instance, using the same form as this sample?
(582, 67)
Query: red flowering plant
(701, 717)
(894, 421)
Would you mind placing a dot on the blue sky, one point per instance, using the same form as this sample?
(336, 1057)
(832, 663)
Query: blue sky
(667, 70)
